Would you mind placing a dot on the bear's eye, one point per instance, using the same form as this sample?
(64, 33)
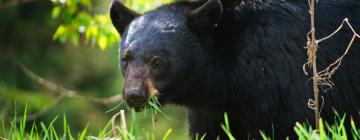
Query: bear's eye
(156, 62)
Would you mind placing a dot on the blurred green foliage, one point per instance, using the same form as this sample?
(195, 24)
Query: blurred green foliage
(73, 60)
(79, 24)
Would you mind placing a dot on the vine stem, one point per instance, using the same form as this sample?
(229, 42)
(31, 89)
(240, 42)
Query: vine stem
(313, 46)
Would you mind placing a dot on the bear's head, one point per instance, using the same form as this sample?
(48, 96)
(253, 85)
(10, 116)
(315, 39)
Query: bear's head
(163, 51)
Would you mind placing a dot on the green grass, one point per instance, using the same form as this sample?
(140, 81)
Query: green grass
(19, 130)
(335, 131)
(226, 127)
(155, 106)
(35, 131)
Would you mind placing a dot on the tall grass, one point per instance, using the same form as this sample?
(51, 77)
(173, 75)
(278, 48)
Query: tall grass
(19, 130)
(335, 131)
(35, 131)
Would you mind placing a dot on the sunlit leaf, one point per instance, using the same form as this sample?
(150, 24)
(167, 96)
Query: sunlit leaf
(78, 18)
(55, 12)
(87, 3)
(59, 31)
(74, 38)
(103, 42)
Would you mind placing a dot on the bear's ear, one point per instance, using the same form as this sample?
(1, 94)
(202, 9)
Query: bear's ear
(207, 15)
(121, 16)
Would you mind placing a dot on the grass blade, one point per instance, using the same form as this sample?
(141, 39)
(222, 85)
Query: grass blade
(44, 130)
(102, 133)
(54, 133)
(263, 136)
(226, 127)
(355, 132)
(3, 128)
(65, 126)
(157, 109)
(166, 135)
(203, 137)
(117, 106)
(83, 133)
(23, 123)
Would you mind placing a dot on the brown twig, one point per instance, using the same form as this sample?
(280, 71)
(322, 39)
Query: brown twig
(63, 92)
(66, 92)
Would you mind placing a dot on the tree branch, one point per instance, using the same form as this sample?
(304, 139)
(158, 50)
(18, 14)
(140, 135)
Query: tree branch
(63, 92)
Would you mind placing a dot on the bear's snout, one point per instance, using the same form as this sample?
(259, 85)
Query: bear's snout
(135, 97)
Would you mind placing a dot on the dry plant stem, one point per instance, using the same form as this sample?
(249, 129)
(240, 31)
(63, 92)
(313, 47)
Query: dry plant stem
(123, 120)
(113, 126)
(325, 75)
(123, 128)
(323, 78)
(313, 48)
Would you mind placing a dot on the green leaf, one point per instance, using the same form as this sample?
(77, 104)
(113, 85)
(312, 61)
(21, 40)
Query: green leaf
(74, 38)
(99, 30)
(103, 42)
(55, 12)
(87, 3)
(61, 30)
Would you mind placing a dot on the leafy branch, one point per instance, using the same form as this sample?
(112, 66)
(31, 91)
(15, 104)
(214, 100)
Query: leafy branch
(80, 27)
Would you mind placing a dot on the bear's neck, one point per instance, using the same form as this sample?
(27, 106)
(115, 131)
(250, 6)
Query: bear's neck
(222, 86)
(225, 83)
(237, 66)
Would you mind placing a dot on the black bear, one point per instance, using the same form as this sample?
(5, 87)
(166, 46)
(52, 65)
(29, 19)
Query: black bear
(243, 57)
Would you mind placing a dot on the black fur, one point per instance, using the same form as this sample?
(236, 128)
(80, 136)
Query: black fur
(249, 64)
(121, 16)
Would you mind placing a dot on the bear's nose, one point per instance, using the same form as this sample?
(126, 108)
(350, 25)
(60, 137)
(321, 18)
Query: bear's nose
(135, 97)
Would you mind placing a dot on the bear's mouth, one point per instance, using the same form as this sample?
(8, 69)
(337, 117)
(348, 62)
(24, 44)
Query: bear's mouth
(150, 103)
(137, 104)
(140, 108)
